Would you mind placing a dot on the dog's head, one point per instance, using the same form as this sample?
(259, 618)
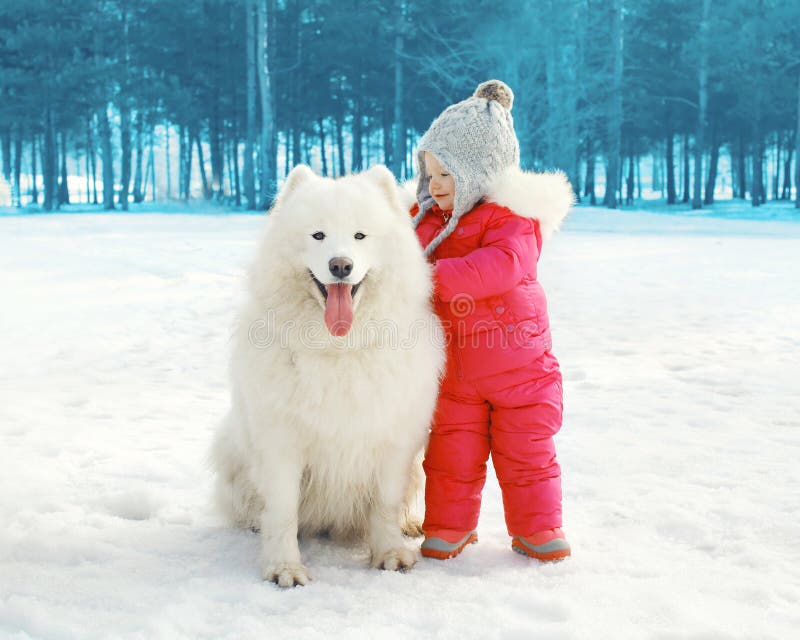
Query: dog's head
(340, 237)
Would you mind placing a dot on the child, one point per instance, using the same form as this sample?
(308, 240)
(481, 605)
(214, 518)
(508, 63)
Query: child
(481, 221)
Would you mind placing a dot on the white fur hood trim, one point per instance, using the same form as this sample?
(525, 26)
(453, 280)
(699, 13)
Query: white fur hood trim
(546, 197)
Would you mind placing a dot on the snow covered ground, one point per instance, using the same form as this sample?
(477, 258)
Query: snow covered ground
(679, 338)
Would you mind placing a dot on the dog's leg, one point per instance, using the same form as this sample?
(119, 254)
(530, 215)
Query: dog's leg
(386, 544)
(278, 480)
(411, 523)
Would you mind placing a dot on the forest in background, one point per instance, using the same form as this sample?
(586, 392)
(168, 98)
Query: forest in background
(239, 91)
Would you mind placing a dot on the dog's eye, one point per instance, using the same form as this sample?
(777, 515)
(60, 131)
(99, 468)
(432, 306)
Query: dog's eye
(318, 235)
(359, 236)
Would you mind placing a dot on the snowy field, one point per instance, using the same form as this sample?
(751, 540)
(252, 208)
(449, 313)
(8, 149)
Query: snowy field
(679, 338)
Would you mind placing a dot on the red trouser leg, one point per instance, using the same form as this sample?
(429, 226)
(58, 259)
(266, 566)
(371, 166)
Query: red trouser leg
(455, 461)
(526, 413)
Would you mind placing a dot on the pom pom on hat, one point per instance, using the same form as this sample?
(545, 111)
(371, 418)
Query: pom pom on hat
(495, 90)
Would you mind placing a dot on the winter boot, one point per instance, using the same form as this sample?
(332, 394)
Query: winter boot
(445, 543)
(549, 545)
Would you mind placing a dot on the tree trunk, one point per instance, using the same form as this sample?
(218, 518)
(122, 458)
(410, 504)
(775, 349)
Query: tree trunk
(34, 188)
(227, 150)
(387, 137)
(297, 148)
(357, 159)
(370, 146)
(340, 144)
(233, 147)
(201, 163)
(186, 163)
(138, 178)
(611, 186)
(63, 186)
(125, 114)
(797, 149)
(322, 146)
(250, 140)
(777, 167)
(657, 183)
(181, 162)
(153, 191)
(629, 182)
(167, 154)
(5, 135)
(590, 169)
(107, 157)
(786, 188)
(396, 142)
(16, 190)
(672, 193)
(306, 146)
(757, 194)
(89, 161)
(615, 107)
(687, 176)
(215, 145)
(711, 183)
(49, 162)
(699, 142)
(267, 116)
(125, 144)
(272, 35)
(639, 177)
(237, 188)
(741, 173)
(150, 170)
(287, 153)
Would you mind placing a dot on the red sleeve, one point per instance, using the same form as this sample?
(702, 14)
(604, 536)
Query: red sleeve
(507, 250)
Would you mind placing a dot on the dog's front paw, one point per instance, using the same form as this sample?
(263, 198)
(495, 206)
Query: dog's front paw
(397, 559)
(286, 574)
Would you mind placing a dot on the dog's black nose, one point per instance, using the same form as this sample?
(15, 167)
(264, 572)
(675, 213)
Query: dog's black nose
(340, 267)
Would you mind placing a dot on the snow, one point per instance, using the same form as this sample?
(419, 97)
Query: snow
(679, 341)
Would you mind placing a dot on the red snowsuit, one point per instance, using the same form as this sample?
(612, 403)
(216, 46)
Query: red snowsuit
(502, 391)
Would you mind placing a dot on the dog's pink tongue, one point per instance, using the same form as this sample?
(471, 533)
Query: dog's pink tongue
(339, 309)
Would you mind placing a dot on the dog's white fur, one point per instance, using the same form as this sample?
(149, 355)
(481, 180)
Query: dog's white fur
(324, 432)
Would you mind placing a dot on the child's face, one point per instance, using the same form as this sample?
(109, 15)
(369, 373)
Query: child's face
(442, 185)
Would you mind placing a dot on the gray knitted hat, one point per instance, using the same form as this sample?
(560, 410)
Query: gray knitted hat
(475, 141)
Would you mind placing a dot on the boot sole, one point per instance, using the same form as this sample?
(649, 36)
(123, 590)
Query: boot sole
(544, 555)
(446, 554)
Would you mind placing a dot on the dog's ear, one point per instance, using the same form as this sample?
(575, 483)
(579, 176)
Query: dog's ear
(297, 176)
(381, 176)
(300, 174)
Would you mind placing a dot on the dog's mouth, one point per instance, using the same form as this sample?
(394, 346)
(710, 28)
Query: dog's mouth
(338, 298)
(323, 289)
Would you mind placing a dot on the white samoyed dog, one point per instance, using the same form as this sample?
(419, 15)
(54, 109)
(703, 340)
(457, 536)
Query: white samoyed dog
(336, 361)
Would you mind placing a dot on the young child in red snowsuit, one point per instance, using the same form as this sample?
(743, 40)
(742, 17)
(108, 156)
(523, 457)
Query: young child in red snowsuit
(481, 220)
